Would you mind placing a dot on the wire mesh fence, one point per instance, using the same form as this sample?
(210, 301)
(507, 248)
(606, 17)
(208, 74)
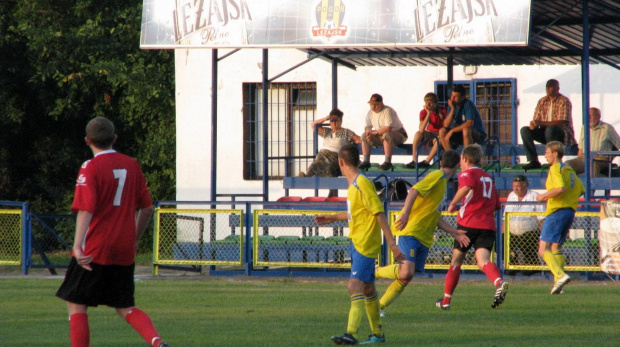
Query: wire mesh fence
(11, 236)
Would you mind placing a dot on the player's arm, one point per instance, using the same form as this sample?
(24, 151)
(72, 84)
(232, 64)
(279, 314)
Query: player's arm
(402, 220)
(550, 194)
(389, 238)
(459, 235)
(460, 194)
(142, 220)
(328, 218)
(81, 228)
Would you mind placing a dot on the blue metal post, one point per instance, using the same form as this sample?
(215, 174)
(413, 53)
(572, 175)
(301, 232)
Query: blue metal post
(26, 238)
(265, 108)
(585, 96)
(213, 125)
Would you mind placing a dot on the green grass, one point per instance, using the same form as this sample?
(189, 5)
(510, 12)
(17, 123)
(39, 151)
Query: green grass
(219, 311)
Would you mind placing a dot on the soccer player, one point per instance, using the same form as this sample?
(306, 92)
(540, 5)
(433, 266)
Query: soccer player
(563, 191)
(476, 216)
(366, 220)
(416, 229)
(110, 189)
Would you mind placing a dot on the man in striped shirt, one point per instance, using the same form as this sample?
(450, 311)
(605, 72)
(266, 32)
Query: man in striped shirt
(603, 137)
(553, 121)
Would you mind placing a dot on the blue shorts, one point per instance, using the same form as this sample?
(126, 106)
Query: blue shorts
(414, 251)
(362, 267)
(556, 225)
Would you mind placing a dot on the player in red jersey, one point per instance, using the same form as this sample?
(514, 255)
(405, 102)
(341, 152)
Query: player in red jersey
(476, 216)
(110, 189)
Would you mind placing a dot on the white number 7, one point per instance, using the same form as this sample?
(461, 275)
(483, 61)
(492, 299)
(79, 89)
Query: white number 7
(487, 185)
(120, 175)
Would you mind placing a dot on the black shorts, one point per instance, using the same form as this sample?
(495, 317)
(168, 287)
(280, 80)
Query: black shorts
(111, 285)
(478, 238)
(457, 138)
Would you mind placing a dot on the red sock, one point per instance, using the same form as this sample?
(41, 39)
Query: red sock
(80, 333)
(492, 272)
(452, 280)
(141, 322)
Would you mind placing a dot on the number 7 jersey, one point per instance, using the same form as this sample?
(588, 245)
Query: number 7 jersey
(112, 187)
(479, 205)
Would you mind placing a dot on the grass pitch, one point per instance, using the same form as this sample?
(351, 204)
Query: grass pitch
(242, 311)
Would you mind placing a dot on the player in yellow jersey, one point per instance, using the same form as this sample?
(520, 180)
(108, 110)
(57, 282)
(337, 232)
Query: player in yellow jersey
(563, 191)
(416, 229)
(366, 220)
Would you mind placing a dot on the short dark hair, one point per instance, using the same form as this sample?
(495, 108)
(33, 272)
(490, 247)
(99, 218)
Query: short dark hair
(457, 88)
(350, 154)
(100, 131)
(450, 159)
(336, 112)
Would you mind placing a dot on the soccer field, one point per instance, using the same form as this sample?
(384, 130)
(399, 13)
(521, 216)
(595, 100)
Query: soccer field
(243, 311)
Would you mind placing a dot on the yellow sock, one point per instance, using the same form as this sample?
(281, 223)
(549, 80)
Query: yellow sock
(373, 313)
(355, 314)
(391, 293)
(553, 265)
(389, 271)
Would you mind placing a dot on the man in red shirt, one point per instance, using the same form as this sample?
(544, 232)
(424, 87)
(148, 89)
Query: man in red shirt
(476, 216)
(110, 189)
(431, 121)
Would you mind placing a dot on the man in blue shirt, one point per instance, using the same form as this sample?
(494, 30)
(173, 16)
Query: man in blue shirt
(463, 124)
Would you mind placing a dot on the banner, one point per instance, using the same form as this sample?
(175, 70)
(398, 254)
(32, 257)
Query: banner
(333, 23)
(609, 237)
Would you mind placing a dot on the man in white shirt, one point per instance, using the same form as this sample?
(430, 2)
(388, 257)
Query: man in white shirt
(524, 230)
(383, 128)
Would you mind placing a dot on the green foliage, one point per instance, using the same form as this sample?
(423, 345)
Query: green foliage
(62, 64)
(302, 312)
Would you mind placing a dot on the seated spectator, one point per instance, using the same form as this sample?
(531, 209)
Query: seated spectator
(553, 121)
(524, 230)
(334, 137)
(431, 120)
(383, 128)
(603, 137)
(463, 124)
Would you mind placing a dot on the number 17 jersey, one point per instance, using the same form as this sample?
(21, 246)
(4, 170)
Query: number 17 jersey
(479, 205)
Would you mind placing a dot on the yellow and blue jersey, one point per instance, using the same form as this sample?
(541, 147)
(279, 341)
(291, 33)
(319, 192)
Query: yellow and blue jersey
(424, 214)
(563, 176)
(362, 206)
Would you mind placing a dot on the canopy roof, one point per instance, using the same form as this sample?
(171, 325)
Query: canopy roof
(556, 37)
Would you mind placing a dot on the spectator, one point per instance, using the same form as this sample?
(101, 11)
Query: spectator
(431, 120)
(603, 137)
(463, 125)
(366, 220)
(383, 128)
(563, 191)
(553, 121)
(524, 230)
(110, 189)
(335, 137)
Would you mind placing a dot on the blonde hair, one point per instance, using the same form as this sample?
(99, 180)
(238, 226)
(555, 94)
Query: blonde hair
(556, 146)
(473, 153)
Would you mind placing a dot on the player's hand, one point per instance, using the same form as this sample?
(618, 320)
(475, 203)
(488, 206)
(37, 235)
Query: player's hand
(322, 219)
(462, 239)
(450, 103)
(82, 259)
(401, 222)
(452, 207)
(398, 254)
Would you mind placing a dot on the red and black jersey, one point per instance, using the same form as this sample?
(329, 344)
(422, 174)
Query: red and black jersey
(479, 205)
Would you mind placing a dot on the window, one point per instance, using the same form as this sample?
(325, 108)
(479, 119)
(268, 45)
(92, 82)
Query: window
(291, 111)
(496, 102)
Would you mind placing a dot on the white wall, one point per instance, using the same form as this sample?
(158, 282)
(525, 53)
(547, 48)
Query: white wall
(403, 88)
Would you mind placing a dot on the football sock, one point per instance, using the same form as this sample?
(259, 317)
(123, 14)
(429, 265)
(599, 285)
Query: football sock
(366, 158)
(452, 280)
(355, 314)
(391, 293)
(560, 258)
(553, 265)
(390, 271)
(79, 330)
(492, 272)
(141, 322)
(374, 314)
(388, 158)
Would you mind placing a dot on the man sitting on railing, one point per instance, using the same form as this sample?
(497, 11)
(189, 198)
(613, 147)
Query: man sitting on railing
(603, 137)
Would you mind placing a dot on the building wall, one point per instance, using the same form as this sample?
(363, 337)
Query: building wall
(403, 88)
